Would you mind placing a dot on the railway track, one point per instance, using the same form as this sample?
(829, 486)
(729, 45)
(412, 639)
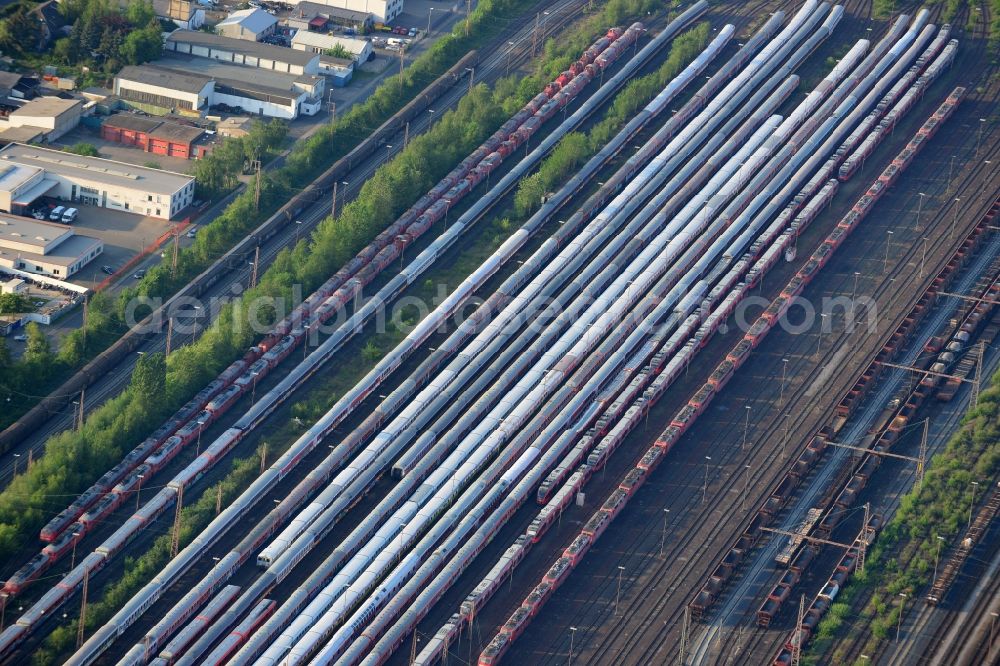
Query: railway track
(603, 588)
(319, 211)
(490, 68)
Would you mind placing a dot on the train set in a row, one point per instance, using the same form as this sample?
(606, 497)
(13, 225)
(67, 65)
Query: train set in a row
(696, 405)
(238, 379)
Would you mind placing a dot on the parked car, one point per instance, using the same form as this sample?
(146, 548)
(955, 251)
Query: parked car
(69, 216)
(139, 274)
(39, 214)
(21, 338)
(192, 232)
(57, 213)
(107, 269)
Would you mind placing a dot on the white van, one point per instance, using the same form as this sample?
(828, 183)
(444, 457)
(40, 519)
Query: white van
(69, 217)
(57, 213)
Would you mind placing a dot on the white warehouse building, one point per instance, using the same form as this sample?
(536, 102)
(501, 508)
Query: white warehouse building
(28, 172)
(382, 10)
(190, 86)
(313, 42)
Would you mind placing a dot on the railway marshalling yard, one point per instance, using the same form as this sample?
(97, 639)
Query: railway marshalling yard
(879, 251)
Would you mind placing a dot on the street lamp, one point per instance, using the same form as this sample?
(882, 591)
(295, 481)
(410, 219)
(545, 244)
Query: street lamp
(972, 501)
(16, 460)
(72, 560)
(429, 12)
(138, 491)
(819, 334)
(663, 537)
(746, 427)
(899, 625)
(937, 555)
(784, 373)
(572, 635)
(888, 241)
(982, 122)
(388, 151)
(509, 52)
(954, 221)
(704, 488)
(618, 594)
(920, 205)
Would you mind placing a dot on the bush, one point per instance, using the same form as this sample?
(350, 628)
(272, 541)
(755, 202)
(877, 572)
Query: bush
(85, 149)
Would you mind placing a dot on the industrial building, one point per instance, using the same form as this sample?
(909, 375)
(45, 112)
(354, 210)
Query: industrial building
(153, 135)
(52, 116)
(242, 52)
(29, 172)
(381, 10)
(187, 14)
(44, 248)
(313, 42)
(192, 85)
(319, 17)
(252, 24)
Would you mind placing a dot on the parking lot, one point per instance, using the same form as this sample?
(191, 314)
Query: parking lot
(124, 236)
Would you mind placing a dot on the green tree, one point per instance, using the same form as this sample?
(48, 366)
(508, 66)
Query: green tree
(14, 303)
(19, 32)
(143, 45)
(37, 351)
(149, 378)
(338, 51)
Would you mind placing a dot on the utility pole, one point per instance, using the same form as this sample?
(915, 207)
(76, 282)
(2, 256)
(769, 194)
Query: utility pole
(333, 208)
(413, 647)
(263, 457)
(402, 50)
(86, 307)
(534, 34)
(170, 331)
(83, 610)
(256, 185)
(975, 382)
(218, 500)
(79, 426)
(173, 261)
(468, 16)
(256, 262)
(176, 538)
(922, 456)
(863, 546)
(797, 642)
(406, 135)
(685, 628)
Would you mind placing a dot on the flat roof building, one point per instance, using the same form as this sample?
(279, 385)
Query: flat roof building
(316, 16)
(242, 52)
(32, 171)
(160, 137)
(178, 81)
(382, 10)
(251, 24)
(314, 42)
(53, 115)
(45, 248)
